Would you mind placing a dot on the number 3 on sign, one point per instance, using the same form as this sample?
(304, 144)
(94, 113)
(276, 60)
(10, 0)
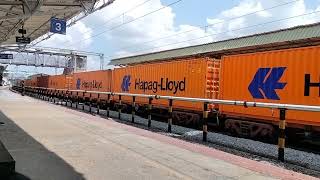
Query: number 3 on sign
(58, 26)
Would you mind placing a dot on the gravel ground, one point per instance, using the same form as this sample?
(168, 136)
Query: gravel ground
(305, 162)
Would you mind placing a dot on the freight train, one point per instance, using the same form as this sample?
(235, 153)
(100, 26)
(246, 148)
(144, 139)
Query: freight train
(289, 76)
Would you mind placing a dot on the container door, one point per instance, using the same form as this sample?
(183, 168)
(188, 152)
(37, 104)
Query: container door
(213, 80)
(68, 82)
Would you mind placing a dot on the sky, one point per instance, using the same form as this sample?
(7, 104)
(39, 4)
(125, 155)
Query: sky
(185, 23)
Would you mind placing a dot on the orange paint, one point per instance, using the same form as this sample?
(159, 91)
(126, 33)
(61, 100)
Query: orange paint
(28, 82)
(43, 81)
(238, 72)
(194, 77)
(58, 82)
(92, 81)
(33, 81)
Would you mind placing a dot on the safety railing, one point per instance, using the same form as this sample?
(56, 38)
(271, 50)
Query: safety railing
(283, 108)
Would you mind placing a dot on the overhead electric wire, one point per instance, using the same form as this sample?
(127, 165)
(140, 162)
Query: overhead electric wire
(206, 26)
(172, 35)
(111, 19)
(125, 23)
(118, 16)
(232, 30)
(194, 29)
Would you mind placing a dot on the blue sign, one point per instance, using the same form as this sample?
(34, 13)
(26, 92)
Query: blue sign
(58, 26)
(125, 83)
(6, 56)
(266, 81)
(78, 83)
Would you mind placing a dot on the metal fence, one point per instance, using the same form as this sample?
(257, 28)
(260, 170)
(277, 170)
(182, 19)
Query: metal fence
(283, 108)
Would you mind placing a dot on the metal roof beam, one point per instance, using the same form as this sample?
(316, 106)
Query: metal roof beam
(10, 3)
(37, 13)
(61, 4)
(10, 11)
(39, 52)
(18, 12)
(96, 6)
(26, 4)
(15, 3)
(48, 51)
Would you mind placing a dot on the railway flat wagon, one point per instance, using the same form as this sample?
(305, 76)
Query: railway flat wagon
(192, 77)
(282, 76)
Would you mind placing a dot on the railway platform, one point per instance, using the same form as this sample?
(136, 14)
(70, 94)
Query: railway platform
(54, 142)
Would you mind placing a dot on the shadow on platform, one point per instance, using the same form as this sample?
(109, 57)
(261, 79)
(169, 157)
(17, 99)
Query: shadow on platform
(33, 160)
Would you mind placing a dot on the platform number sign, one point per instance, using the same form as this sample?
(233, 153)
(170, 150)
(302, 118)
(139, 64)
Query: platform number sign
(58, 26)
(6, 56)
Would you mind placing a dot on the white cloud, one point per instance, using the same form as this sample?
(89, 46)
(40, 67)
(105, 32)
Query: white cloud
(298, 9)
(130, 38)
(245, 7)
(222, 26)
(235, 27)
(153, 26)
(78, 37)
(74, 39)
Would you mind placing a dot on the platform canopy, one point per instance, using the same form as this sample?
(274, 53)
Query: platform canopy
(35, 16)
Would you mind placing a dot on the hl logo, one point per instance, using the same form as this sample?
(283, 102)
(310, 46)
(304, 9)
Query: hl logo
(308, 84)
(125, 83)
(266, 81)
(78, 83)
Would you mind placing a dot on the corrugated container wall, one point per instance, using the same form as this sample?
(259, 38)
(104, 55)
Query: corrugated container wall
(34, 81)
(92, 81)
(28, 82)
(58, 82)
(196, 77)
(283, 76)
(43, 81)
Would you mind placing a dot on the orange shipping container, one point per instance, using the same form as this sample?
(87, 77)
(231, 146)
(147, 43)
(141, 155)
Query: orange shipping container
(34, 81)
(92, 81)
(196, 77)
(28, 82)
(58, 82)
(283, 76)
(43, 81)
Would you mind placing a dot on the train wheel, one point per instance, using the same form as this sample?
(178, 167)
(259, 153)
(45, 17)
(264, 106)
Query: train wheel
(187, 119)
(250, 129)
